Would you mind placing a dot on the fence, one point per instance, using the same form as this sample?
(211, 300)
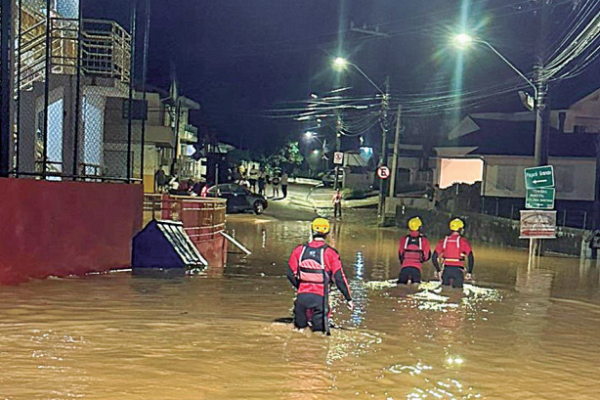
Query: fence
(203, 218)
(74, 111)
(572, 216)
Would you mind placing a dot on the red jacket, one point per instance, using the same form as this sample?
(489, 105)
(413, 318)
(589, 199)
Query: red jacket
(333, 269)
(414, 249)
(453, 250)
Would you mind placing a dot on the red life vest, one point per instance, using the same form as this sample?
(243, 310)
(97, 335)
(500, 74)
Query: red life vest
(452, 254)
(311, 266)
(413, 252)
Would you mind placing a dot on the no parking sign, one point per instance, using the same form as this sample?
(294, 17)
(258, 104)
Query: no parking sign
(383, 172)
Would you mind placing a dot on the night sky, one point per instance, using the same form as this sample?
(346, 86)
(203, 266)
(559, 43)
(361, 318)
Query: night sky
(242, 58)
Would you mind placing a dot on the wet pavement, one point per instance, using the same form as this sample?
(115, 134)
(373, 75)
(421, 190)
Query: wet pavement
(522, 331)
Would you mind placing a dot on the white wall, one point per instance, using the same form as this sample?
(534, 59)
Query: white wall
(574, 177)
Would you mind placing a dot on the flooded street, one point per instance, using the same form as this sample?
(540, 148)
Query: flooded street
(521, 332)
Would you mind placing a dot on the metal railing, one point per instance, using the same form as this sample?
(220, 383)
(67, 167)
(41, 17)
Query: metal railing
(202, 218)
(105, 51)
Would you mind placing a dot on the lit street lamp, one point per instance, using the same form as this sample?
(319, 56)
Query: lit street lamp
(464, 41)
(340, 64)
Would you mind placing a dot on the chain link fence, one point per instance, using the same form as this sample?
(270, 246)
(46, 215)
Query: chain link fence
(73, 79)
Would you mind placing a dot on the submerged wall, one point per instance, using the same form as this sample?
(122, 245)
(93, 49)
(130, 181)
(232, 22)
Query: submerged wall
(65, 228)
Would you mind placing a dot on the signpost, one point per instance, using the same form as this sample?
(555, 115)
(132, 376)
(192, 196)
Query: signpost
(538, 224)
(383, 172)
(338, 158)
(540, 199)
(539, 177)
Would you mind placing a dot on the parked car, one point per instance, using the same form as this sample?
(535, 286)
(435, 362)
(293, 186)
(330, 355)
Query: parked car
(239, 199)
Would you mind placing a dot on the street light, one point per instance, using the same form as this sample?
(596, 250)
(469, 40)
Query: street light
(310, 135)
(464, 40)
(340, 63)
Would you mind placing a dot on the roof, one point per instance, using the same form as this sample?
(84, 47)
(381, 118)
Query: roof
(497, 137)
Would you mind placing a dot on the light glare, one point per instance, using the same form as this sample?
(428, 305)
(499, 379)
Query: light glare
(463, 40)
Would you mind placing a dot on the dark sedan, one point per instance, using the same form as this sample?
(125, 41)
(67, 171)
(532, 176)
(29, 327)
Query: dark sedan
(239, 199)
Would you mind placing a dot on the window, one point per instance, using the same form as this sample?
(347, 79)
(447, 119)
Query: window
(139, 109)
(507, 176)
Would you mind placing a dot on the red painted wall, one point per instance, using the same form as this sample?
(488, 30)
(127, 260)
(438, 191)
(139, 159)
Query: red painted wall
(65, 228)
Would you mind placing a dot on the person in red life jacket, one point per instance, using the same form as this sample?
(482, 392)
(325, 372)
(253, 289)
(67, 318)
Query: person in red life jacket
(413, 251)
(312, 269)
(453, 251)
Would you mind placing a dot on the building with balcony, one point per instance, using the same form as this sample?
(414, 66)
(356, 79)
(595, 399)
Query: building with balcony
(65, 71)
(169, 138)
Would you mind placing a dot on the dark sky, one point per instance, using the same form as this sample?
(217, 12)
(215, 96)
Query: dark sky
(240, 58)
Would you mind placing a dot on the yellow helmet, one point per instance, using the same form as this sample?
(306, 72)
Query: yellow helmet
(456, 224)
(321, 226)
(415, 223)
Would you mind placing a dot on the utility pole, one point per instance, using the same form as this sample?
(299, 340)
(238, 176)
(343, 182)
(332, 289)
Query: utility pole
(392, 192)
(5, 86)
(338, 145)
(385, 106)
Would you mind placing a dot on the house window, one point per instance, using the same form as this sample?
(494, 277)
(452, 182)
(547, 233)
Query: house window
(507, 176)
(139, 109)
(565, 179)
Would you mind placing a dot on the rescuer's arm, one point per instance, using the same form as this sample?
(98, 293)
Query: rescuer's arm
(292, 270)
(470, 263)
(401, 249)
(335, 265)
(435, 261)
(426, 249)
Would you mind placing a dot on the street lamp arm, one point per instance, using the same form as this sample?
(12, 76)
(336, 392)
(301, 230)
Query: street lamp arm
(511, 65)
(367, 78)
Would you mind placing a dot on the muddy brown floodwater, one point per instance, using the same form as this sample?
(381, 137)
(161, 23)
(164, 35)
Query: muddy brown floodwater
(521, 332)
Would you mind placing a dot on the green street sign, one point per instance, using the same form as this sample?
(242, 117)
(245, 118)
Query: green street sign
(539, 177)
(540, 199)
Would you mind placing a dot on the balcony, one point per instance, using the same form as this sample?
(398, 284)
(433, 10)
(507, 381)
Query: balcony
(105, 49)
(189, 134)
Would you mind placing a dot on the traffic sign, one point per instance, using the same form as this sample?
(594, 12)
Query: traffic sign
(538, 224)
(338, 157)
(539, 177)
(541, 199)
(383, 172)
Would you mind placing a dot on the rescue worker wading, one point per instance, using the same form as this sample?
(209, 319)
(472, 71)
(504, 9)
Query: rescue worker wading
(312, 269)
(413, 251)
(453, 251)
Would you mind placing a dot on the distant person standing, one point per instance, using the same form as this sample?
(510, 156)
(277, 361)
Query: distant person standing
(253, 178)
(414, 249)
(284, 184)
(595, 243)
(160, 181)
(337, 203)
(437, 196)
(276, 182)
(453, 251)
(262, 180)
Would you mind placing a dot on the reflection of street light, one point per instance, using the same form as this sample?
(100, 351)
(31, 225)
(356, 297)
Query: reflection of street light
(315, 152)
